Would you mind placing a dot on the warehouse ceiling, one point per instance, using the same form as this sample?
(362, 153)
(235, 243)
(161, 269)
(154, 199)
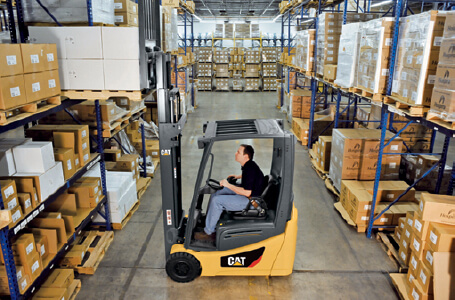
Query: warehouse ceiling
(237, 8)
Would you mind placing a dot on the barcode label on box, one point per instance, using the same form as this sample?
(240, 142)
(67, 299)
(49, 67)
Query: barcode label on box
(36, 87)
(118, 5)
(52, 83)
(409, 59)
(407, 233)
(402, 225)
(414, 262)
(364, 218)
(50, 57)
(96, 189)
(403, 256)
(367, 207)
(429, 257)
(404, 75)
(15, 91)
(421, 206)
(11, 60)
(28, 203)
(35, 266)
(399, 235)
(405, 244)
(388, 42)
(416, 245)
(68, 164)
(19, 275)
(84, 146)
(384, 220)
(16, 216)
(118, 19)
(385, 72)
(415, 295)
(411, 278)
(395, 86)
(418, 225)
(410, 222)
(390, 196)
(24, 284)
(34, 58)
(83, 133)
(86, 157)
(29, 248)
(330, 52)
(43, 250)
(405, 93)
(431, 79)
(414, 96)
(437, 41)
(423, 277)
(134, 8)
(12, 204)
(433, 237)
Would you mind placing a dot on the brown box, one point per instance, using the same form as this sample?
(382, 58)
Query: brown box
(437, 208)
(127, 6)
(24, 247)
(35, 86)
(425, 279)
(33, 57)
(52, 83)
(126, 19)
(445, 76)
(8, 189)
(443, 101)
(404, 255)
(416, 292)
(59, 278)
(12, 91)
(66, 156)
(10, 60)
(25, 202)
(324, 149)
(330, 72)
(441, 238)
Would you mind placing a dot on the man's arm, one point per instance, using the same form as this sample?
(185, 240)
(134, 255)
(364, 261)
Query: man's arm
(236, 176)
(236, 189)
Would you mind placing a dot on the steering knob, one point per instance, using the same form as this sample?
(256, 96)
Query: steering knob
(231, 180)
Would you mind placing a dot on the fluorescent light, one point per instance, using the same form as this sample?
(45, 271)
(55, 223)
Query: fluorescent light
(276, 18)
(198, 18)
(381, 3)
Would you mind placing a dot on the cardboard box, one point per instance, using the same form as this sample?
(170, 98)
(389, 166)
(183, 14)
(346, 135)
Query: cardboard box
(171, 3)
(127, 6)
(75, 256)
(126, 19)
(25, 202)
(52, 223)
(404, 255)
(66, 156)
(8, 189)
(34, 266)
(122, 74)
(443, 275)
(42, 246)
(437, 208)
(417, 245)
(12, 91)
(425, 279)
(59, 278)
(24, 248)
(51, 293)
(416, 292)
(414, 262)
(112, 154)
(10, 60)
(330, 72)
(45, 183)
(428, 257)
(52, 239)
(33, 58)
(441, 237)
(442, 101)
(34, 157)
(52, 83)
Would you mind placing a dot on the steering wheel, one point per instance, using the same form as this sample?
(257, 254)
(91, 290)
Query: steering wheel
(214, 184)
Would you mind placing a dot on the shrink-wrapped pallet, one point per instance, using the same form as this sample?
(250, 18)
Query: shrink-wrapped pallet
(169, 35)
(348, 55)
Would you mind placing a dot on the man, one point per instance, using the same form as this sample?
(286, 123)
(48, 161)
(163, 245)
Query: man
(232, 197)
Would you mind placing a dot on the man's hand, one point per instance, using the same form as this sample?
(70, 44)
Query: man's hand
(224, 182)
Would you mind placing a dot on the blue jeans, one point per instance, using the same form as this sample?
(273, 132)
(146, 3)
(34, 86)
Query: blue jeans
(224, 199)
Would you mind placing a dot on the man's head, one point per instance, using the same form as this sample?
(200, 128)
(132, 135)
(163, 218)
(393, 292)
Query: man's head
(244, 154)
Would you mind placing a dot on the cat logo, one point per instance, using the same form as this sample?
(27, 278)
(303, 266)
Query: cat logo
(446, 74)
(247, 259)
(442, 100)
(451, 49)
(356, 164)
(165, 152)
(357, 146)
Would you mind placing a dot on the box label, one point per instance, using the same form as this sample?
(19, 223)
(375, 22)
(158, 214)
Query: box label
(383, 220)
(431, 79)
(24, 284)
(118, 19)
(43, 250)
(15, 91)
(28, 203)
(16, 216)
(11, 60)
(421, 206)
(437, 41)
(418, 225)
(50, 57)
(415, 295)
(433, 238)
(68, 164)
(29, 248)
(76, 161)
(19, 275)
(429, 257)
(84, 146)
(35, 266)
(36, 87)
(86, 157)
(34, 58)
(416, 245)
(398, 235)
(403, 256)
(423, 277)
(118, 5)
(414, 262)
(52, 83)
(12, 204)
(405, 244)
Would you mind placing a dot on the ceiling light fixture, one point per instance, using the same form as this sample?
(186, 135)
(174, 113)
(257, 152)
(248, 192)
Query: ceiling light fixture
(381, 3)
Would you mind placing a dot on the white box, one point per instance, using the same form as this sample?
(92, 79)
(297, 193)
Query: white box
(122, 75)
(7, 166)
(83, 42)
(34, 157)
(48, 182)
(120, 42)
(64, 74)
(85, 74)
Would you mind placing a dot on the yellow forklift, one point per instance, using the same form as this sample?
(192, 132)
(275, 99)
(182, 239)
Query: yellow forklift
(260, 240)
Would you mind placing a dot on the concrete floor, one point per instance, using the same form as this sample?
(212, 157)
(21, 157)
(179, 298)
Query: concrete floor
(332, 260)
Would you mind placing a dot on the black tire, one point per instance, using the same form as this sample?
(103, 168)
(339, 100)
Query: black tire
(183, 267)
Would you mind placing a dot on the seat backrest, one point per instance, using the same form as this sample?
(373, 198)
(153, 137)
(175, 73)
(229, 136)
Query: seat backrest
(271, 193)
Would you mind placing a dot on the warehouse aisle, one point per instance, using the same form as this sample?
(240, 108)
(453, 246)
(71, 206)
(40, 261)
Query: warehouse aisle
(332, 261)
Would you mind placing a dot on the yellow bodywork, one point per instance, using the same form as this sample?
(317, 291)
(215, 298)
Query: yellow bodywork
(277, 259)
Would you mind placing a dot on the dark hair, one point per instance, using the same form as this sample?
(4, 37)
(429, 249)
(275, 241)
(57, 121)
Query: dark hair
(248, 150)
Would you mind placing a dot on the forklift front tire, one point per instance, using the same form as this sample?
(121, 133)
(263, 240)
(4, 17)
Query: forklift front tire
(183, 267)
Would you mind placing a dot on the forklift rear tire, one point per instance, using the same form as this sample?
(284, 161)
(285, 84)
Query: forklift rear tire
(183, 267)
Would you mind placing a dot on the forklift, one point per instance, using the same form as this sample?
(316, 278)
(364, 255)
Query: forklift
(260, 240)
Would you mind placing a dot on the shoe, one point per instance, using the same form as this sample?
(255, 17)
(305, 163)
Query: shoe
(202, 236)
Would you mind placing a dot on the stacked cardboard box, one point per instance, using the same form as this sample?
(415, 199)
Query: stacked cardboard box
(28, 73)
(253, 56)
(442, 99)
(242, 30)
(355, 154)
(255, 31)
(236, 66)
(102, 66)
(60, 284)
(204, 54)
(218, 31)
(427, 246)
(126, 163)
(374, 56)
(417, 56)
(169, 27)
(269, 70)
(205, 83)
(221, 70)
(229, 30)
(204, 70)
(222, 84)
(252, 84)
(357, 198)
(11, 200)
(268, 84)
(306, 52)
(322, 152)
(126, 13)
(348, 55)
(413, 167)
(323, 124)
(69, 12)
(252, 70)
(328, 40)
(269, 54)
(237, 83)
(300, 103)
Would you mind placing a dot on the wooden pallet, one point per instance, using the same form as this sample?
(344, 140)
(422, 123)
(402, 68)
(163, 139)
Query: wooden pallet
(156, 163)
(127, 218)
(391, 247)
(135, 115)
(115, 127)
(329, 185)
(366, 93)
(99, 242)
(407, 108)
(437, 120)
(344, 214)
(321, 173)
(76, 288)
(142, 184)
(101, 94)
(26, 110)
(400, 284)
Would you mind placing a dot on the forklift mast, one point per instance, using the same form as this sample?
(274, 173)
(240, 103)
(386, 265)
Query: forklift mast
(171, 122)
